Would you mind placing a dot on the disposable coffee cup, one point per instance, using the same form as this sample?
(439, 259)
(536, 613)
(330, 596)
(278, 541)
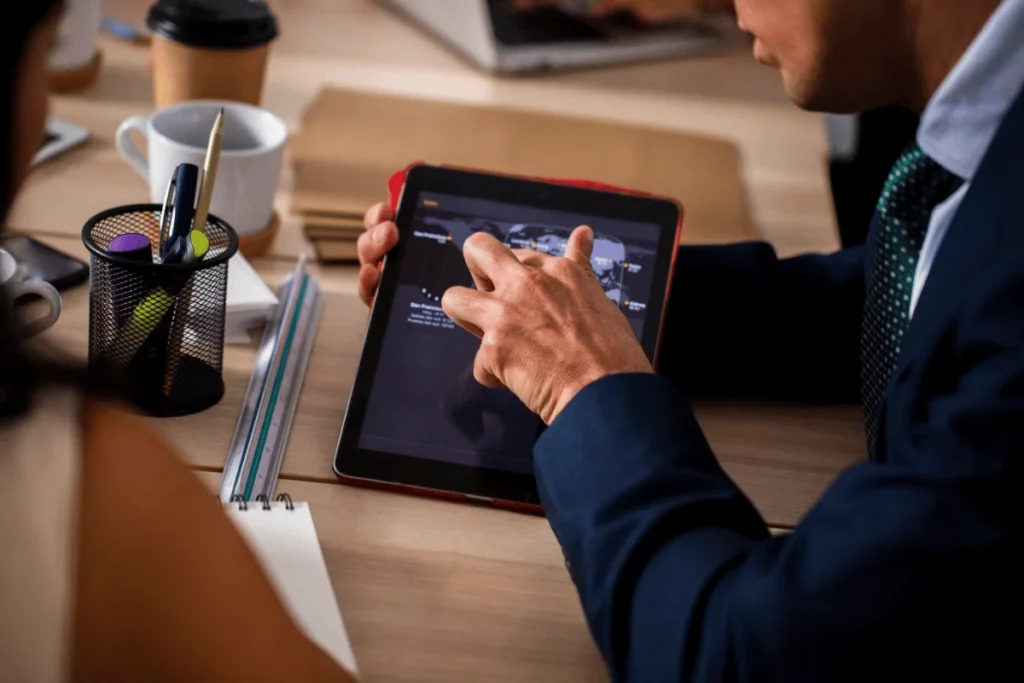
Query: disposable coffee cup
(210, 50)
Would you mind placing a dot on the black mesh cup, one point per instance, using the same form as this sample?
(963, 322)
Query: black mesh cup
(156, 331)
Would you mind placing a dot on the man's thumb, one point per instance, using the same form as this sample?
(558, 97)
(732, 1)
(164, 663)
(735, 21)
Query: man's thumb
(580, 246)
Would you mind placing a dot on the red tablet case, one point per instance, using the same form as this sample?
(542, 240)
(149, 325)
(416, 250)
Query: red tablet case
(395, 185)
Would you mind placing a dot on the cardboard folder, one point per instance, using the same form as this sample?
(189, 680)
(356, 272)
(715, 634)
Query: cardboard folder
(352, 142)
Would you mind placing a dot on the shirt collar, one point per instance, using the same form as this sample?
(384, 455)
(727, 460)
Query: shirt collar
(967, 110)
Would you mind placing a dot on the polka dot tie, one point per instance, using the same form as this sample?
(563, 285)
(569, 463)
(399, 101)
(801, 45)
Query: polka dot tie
(915, 187)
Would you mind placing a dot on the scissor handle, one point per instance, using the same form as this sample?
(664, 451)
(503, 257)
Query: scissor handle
(165, 218)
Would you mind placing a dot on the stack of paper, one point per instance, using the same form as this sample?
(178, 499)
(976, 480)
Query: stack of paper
(249, 303)
(334, 236)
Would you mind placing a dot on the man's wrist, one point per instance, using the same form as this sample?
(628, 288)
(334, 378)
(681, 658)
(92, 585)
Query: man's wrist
(571, 391)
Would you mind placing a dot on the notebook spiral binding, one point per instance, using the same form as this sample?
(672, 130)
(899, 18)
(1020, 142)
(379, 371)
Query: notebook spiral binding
(264, 501)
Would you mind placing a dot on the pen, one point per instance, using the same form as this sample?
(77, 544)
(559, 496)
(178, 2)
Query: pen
(125, 31)
(209, 172)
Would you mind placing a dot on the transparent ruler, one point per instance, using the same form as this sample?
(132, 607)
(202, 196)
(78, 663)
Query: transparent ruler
(261, 434)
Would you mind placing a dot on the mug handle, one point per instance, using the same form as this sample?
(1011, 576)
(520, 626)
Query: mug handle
(46, 291)
(127, 148)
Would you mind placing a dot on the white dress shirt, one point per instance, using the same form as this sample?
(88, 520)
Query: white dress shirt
(964, 116)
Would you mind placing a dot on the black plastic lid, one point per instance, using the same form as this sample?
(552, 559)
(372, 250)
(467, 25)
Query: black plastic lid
(228, 24)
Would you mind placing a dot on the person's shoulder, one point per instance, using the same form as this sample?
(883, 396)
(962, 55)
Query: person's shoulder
(112, 426)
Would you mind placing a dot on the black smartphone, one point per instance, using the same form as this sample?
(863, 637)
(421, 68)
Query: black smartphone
(41, 262)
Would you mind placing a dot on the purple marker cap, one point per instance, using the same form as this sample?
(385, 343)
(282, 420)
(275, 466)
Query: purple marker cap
(132, 245)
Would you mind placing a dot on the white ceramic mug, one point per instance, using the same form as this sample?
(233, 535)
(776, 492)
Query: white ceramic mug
(250, 160)
(14, 288)
(78, 36)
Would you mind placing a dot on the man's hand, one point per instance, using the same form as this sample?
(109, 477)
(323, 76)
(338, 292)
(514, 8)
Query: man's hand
(650, 11)
(546, 327)
(380, 237)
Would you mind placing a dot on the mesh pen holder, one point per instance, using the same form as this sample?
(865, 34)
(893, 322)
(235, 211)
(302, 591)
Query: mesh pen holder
(156, 330)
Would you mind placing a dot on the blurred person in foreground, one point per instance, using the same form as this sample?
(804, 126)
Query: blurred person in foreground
(905, 569)
(117, 564)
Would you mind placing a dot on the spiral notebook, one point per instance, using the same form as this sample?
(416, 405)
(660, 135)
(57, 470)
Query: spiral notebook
(283, 537)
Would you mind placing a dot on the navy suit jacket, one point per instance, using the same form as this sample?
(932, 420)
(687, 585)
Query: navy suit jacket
(908, 567)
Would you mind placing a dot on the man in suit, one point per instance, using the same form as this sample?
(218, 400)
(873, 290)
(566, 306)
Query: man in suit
(904, 567)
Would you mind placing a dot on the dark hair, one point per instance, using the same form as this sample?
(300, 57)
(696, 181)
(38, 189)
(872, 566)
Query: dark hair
(17, 374)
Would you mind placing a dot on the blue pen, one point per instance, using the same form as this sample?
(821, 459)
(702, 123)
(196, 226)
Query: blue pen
(124, 31)
(181, 202)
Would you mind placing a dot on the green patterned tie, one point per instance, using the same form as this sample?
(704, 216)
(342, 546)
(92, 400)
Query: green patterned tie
(915, 187)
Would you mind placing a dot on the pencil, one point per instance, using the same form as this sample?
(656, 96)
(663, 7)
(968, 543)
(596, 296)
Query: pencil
(183, 303)
(209, 173)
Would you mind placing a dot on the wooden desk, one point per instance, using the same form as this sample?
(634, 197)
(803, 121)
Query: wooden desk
(356, 44)
(432, 590)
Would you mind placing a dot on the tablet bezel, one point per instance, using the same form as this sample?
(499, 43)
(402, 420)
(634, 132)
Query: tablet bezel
(417, 475)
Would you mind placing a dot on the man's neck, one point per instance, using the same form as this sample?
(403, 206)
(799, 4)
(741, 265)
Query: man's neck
(941, 31)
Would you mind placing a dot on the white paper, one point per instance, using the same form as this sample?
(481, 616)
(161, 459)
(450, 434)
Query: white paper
(287, 546)
(249, 301)
(233, 337)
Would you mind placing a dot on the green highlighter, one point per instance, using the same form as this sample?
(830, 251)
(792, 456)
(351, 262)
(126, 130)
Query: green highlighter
(145, 318)
(141, 351)
(151, 310)
(149, 341)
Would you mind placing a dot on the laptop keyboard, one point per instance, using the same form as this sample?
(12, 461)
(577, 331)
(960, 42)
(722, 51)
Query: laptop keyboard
(541, 27)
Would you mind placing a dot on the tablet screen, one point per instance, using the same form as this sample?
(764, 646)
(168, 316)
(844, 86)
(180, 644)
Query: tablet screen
(423, 401)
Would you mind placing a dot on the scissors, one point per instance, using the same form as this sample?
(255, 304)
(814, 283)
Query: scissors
(178, 212)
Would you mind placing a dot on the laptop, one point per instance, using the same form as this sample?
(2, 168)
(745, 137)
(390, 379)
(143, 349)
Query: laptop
(496, 37)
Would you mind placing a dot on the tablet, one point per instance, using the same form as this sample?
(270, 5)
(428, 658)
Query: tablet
(416, 418)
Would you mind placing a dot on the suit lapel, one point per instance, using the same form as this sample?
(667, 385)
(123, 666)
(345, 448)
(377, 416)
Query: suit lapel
(981, 229)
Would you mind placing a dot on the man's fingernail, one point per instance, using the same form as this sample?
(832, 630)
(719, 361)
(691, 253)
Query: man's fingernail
(379, 234)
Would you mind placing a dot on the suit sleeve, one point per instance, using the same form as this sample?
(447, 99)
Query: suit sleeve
(742, 323)
(902, 571)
